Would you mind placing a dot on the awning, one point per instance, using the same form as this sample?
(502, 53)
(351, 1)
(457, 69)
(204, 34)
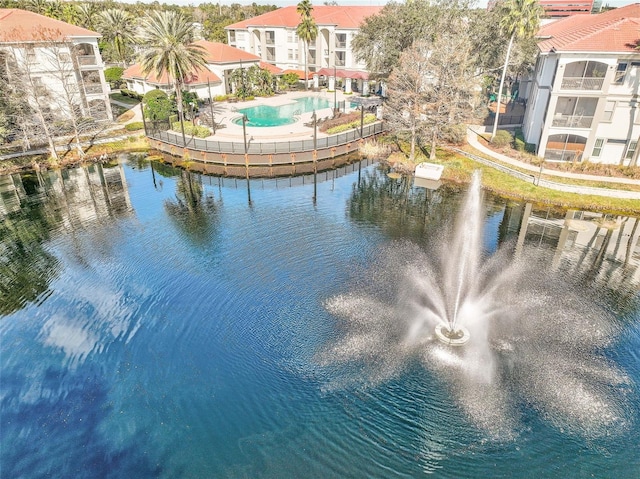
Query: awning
(353, 74)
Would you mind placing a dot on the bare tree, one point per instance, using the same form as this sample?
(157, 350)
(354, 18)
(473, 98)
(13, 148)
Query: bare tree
(432, 88)
(407, 94)
(24, 80)
(452, 91)
(44, 81)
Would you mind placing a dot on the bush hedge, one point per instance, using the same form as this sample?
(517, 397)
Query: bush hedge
(520, 145)
(131, 94)
(502, 138)
(134, 126)
(368, 118)
(191, 129)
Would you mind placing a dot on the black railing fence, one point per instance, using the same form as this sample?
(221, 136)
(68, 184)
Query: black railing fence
(158, 130)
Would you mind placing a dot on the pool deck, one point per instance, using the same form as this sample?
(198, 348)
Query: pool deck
(226, 112)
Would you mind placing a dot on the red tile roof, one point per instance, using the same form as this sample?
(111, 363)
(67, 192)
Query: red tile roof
(223, 53)
(354, 74)
(200, 77)
(342, 17)
(615, 30)
(23, 26)
(274, 70)
(300, 73)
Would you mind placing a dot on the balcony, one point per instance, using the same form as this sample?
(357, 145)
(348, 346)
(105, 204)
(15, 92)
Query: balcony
(572, 121)
(582, 83)
(339, 62)
(93, 89)
(87, 60)
(341, 44)
(270, 41)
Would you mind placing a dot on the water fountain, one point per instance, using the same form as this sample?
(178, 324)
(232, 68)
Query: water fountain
(525, 335)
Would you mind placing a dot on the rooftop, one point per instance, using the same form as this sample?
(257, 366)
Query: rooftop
(615, 30)
(23, 26)
(199, 77)
(341, 17)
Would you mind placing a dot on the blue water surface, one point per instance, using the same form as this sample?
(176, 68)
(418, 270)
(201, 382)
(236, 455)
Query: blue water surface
(265, 115)
(176, 334)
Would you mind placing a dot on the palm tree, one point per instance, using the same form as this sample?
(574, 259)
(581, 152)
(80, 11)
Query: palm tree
(307, 30)
(520, 19)
(87, 13)
(167, 42)
(117, 26)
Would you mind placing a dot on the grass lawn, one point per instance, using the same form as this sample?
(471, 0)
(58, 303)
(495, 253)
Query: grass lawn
(124, 99)
(459, 169)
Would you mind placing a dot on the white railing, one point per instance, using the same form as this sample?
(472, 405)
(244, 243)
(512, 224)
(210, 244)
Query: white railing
(582, 83)
(572, 121)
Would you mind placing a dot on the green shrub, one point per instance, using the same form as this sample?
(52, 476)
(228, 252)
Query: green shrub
(520, 144)
(173, 119)
(368, 118)
(157, 105)
(502, 138)
(113, 74)
(191, 130)
(134, 126)
(131, 94)
(221, 98)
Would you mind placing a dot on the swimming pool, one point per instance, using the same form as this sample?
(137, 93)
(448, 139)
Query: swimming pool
(264, 115)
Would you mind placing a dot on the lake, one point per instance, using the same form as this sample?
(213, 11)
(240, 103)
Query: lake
(156, 324)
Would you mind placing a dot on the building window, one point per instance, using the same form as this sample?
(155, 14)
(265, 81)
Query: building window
(574, 112)
(597, 148)
(270, 37)
(631, 149)
(292, 54)
(620, 73)
(240, 36)
(609, 108)
(341, 40)
(232, 36)
(292, 37)
(564, 147)
(31, 55)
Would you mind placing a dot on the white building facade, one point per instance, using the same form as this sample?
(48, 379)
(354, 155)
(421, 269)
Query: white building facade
(209, 82)
(272, 36)
(60, 60)
(583, 99)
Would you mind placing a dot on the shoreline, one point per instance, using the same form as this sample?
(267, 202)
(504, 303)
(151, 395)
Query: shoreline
(457, 171)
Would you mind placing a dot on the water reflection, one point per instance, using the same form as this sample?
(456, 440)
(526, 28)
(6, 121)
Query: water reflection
(191, 209)
(598, 246)
(37, 207)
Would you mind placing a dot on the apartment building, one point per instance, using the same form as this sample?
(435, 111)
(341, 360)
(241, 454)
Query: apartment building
(62, 61)
(583, 100)
(272, 37)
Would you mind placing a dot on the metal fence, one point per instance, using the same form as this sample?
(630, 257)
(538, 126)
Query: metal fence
(156, 132)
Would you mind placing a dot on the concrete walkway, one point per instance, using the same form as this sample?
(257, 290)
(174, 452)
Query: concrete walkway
(503, 163)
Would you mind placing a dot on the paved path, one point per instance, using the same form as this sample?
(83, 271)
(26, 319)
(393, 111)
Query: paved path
(472, 139)
(501, 162)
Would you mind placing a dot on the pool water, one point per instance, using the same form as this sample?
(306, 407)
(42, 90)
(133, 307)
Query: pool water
(264, 115)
